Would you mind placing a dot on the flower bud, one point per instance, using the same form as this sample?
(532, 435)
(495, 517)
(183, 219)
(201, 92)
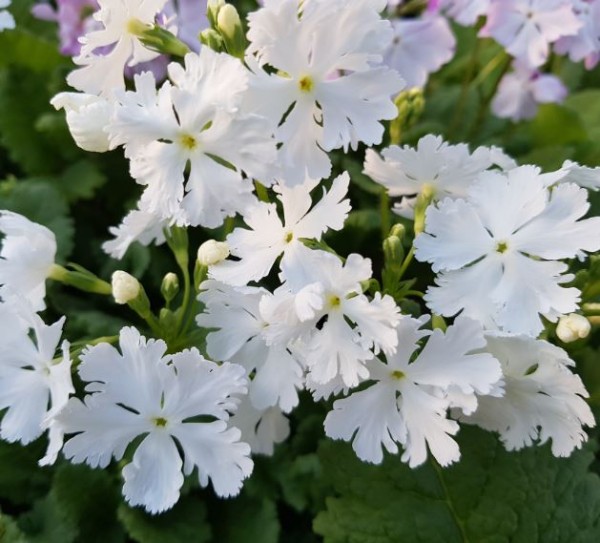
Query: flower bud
(125, 287)
(169, 287)
(573, 327)
(212, 11)
(228, 20)
(212, 252)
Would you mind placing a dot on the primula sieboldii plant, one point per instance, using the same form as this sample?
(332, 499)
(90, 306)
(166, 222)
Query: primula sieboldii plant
(336, 264)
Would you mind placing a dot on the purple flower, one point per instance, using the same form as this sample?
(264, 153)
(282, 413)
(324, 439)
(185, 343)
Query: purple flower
(522, 90)
(74, 18)
(526, 28)
(586, 44)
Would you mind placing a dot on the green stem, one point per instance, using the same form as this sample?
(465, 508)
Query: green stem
(406, 262)
(464, 91)
(384, 208)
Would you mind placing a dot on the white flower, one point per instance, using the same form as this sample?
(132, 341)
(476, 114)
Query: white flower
(499, 251)
(138, 225)
(339, 344)
(193, 125)
(527, 27)
(120, 20)
(329, 89)
(125, 287)
(236, 315)
(408, 402)
(543, 399)
(143, 392)
(434, 165)
(571, 172)
(33, 383)
(26, 259)
(87, 116)
(573, 327)
(520, 92)
(261, 429)
(259, 247)
(7, 21)
(212, 252)
(421, 46)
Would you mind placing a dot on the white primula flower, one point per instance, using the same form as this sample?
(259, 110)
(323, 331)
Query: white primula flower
(33, 383)
(236, 315)
(262, 429)
(322, 302)
(268, 238)
(572, 172)
(442, 169)
(26, 258)
(499, 251)
(87, 117)
(329, 89)
(138, 225)
(189, 143)
(144, 392)
(408, 403)
(543, 399)
(120, 20)
(7, 21)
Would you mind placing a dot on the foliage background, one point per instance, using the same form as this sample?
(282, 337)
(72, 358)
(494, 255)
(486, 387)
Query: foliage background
(312, 489)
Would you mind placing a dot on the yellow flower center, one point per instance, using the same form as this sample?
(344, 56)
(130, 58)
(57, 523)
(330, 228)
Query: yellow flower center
(188, 141)
(306, 84)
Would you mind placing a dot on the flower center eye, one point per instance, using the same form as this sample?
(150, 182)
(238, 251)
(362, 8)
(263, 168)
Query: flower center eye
(501, 247)
(288, 237)
(398, 375)
(306, 84)
(334, 301)
(188, 141)
(159, 422)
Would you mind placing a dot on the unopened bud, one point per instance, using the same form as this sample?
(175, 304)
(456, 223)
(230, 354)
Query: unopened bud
(393, 251)
(169, 287)
(212, 11)
(212, 39)
(229, 25)
(398, 230)
(573, 327)
(125, 287)
(212, 252)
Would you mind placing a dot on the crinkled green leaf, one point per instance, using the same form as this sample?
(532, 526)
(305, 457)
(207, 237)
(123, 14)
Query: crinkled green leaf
(491, 496)
(42, 203)
(246, 519)
(79, 181)
(23, 98)
(9, 531)
(185, 523)
(25, 49)
(558, 125)
(21, 479)
(89, 499)
(48, 523)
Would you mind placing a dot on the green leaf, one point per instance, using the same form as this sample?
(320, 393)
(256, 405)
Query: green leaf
(587, 104)
(47, 523)
(247, 520)
(80, 181)
(185, 523)
(23, 98)
(9, 531)
(28, 50)
(89, 499)
(21, 479)
(558, 125)
(42, 203)
(491, 496)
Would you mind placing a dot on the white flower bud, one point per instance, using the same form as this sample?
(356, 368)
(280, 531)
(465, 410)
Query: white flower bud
(87, 116)
(228, 20)
(212, 252)
(125, 287)
(573, 327)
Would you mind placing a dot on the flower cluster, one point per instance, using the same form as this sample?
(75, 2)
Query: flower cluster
(254, 128)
